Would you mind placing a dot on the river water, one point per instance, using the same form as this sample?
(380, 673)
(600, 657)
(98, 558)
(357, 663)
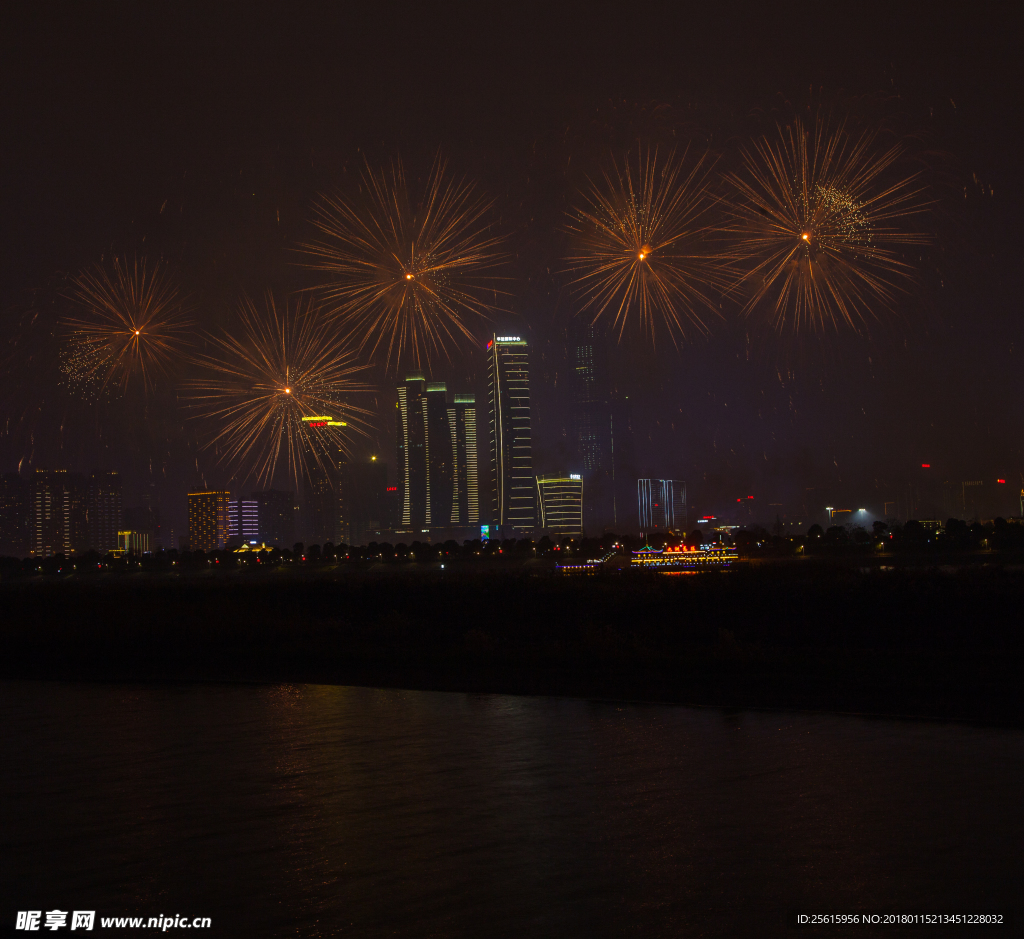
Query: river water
(310, 810)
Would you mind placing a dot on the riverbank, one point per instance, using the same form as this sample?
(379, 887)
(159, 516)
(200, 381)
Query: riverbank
(933, 644)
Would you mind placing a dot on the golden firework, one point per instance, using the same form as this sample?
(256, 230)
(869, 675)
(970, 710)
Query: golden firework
(277, 388)
(820, 220)
(130, 324)
(407, 277)
(643, 245)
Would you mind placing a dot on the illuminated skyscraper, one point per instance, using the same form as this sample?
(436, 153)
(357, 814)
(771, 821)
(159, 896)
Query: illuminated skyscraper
(662, 504)
(512, 489)
(208, 520)
(465, 511)
(411, 439)
(437, 458)
(243, 520)
(560, 499)
(51, 513)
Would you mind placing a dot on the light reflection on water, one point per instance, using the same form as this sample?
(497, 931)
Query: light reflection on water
(321, 810)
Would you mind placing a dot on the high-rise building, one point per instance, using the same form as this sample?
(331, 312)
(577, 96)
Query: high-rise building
(363, 486)
(560, 499)
(243, 520)
(512, 489)
(591, 410)
(275, 514)
(438, 477)
(411, 452)
(465, 511)
(51, 513)
(324, 501)
(15, 504)
(104, 511)
(662, 504)
(208, 520)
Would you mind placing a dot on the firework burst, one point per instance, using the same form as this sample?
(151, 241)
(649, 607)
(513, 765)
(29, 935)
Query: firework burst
(821, 219)
(278, 389)
(130, 325)
(643, 246)
(407, 277)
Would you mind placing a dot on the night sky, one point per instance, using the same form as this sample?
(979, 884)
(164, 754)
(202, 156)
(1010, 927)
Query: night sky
(202, 138)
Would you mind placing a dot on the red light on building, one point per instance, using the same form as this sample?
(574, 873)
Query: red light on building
(392, 488)
(926, 466)
(750, 497)
(1000, 480)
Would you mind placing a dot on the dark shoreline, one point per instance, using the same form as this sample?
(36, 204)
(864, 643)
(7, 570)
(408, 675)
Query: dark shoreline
(909, 644)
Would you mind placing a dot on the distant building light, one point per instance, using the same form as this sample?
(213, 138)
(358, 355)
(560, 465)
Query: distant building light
(1000, 480)
(926, 466)
(577, 476)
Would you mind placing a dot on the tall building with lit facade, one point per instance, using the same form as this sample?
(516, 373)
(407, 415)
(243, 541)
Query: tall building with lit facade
(104, 511)
(243, 520)
(560, 501)
(208, 520)
(662, 504)
(275, 517)
(512, 485)
(436, 441)
(51, 524)
(411, 454)
(465, 465)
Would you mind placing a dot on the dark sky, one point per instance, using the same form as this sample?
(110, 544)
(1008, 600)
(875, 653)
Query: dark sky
(201, 137)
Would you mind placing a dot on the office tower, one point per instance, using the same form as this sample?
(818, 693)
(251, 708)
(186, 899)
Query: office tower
(243, 521)
(363, 486)
(275, 514)
(325, 510)
(104, 510)
(512, 488)
(208, 520)
(439, 447)
(15, 504)
(591, 414)
(50, 513)
(78, 513)
(662, 504)
(560, 500)
(438, 476)
(411, 448)
(465, 501)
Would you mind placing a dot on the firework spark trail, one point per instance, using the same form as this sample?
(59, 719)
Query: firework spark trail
(131, 323)
(819, 225)
(644, 248)
(263, 379)
(405, 277)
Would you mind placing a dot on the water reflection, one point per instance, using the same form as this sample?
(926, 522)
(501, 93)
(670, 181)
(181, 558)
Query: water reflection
(320, 810)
